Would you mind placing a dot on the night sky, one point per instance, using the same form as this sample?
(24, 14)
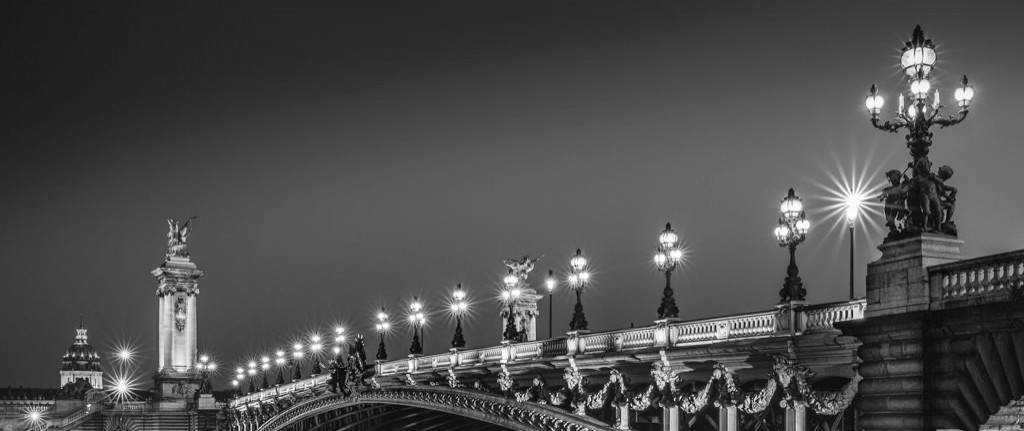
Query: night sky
(347, 155)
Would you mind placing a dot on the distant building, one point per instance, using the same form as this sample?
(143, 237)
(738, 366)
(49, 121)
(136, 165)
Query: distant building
(81, 361)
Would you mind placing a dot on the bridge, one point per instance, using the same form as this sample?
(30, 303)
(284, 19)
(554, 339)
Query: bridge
(940, 348)
(617, 379)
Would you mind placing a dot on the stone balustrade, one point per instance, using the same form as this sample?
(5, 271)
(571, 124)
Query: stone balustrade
(984, 279)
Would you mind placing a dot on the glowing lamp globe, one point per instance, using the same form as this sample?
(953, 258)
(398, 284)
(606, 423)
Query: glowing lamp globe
(918, 60)
(668, 237)
(578, 262)
(510, 279)
(964, 94)
(791, 205)
(551, 282)
(920, 87)
(874, 101)
(660, 258)
(802, 226)
(782, 233)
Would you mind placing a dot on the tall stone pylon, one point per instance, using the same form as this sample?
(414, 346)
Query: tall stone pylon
(177, 290)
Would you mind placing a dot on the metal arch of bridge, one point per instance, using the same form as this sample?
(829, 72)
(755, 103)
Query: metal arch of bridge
(482, 407)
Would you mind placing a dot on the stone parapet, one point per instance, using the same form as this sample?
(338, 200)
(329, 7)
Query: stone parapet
(898, 282)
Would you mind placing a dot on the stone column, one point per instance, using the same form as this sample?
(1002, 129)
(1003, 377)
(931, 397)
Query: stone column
(728, 419)
(670, 417)
(796, 418)
(622, 412)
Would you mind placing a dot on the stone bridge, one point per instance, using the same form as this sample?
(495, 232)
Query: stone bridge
(753, 370)
(937, 344)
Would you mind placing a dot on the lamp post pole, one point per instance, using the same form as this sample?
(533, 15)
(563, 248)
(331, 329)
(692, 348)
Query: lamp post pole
(280, 361)
(667, 258)
(578, 277)
(510, 295)
(551, 282)
(459, 307)
(315, 347)
(851, 262)
(265, 366)
(297, 355)
(415, 316)
(791, 231)
(382, 328)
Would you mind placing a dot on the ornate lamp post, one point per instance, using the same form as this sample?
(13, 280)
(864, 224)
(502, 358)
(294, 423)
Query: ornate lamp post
(923, 203)
(667, 258)
(297, 354)
(459, 307)
(579, 276)
(339, 342)
(852, 210)
(415, 317)
(206, 366)
(281, 362)
(551, 283)
(792, 230)
(265, 366)
(252, 376)
(382, 328)
(237, 382)
(315, 348)
(510, 295)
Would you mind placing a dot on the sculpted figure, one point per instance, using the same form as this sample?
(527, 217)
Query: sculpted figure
(894, 199)
(947, 199)
(521, 267)
(177, 235)
(923, 198)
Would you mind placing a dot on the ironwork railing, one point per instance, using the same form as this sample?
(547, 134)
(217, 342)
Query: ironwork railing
(988, 276)
(668, 334)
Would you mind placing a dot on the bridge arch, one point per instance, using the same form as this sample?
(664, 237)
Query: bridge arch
(425, 404)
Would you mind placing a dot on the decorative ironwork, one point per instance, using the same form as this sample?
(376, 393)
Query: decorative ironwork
(791, 231)
(922, 202)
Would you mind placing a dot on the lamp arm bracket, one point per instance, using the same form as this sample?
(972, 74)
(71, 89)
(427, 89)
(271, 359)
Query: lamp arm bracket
(886, 126)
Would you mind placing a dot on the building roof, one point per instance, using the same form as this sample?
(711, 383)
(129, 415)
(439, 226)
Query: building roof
(81, 356)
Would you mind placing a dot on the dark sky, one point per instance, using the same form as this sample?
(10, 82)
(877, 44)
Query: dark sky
(347, 155)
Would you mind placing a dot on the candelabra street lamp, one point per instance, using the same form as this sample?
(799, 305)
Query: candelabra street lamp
(382, 328)
(459, 307)
(510, 296)
(667, 258)
(252, 376)
(281, 362)
(579, 277)
(315, 348)
(551, 283)
(265, 366)
(237, 382)
(791, 231)
(297, 354)
(415, 317)
(923, 203)
(206, 366)
(339, 343)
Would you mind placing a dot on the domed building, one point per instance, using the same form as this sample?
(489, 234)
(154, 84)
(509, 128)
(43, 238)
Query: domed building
(81, 362)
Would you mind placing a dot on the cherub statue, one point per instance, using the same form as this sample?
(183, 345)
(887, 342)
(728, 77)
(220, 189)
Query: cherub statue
(894, 198)
(923, 198)
(947, 199)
